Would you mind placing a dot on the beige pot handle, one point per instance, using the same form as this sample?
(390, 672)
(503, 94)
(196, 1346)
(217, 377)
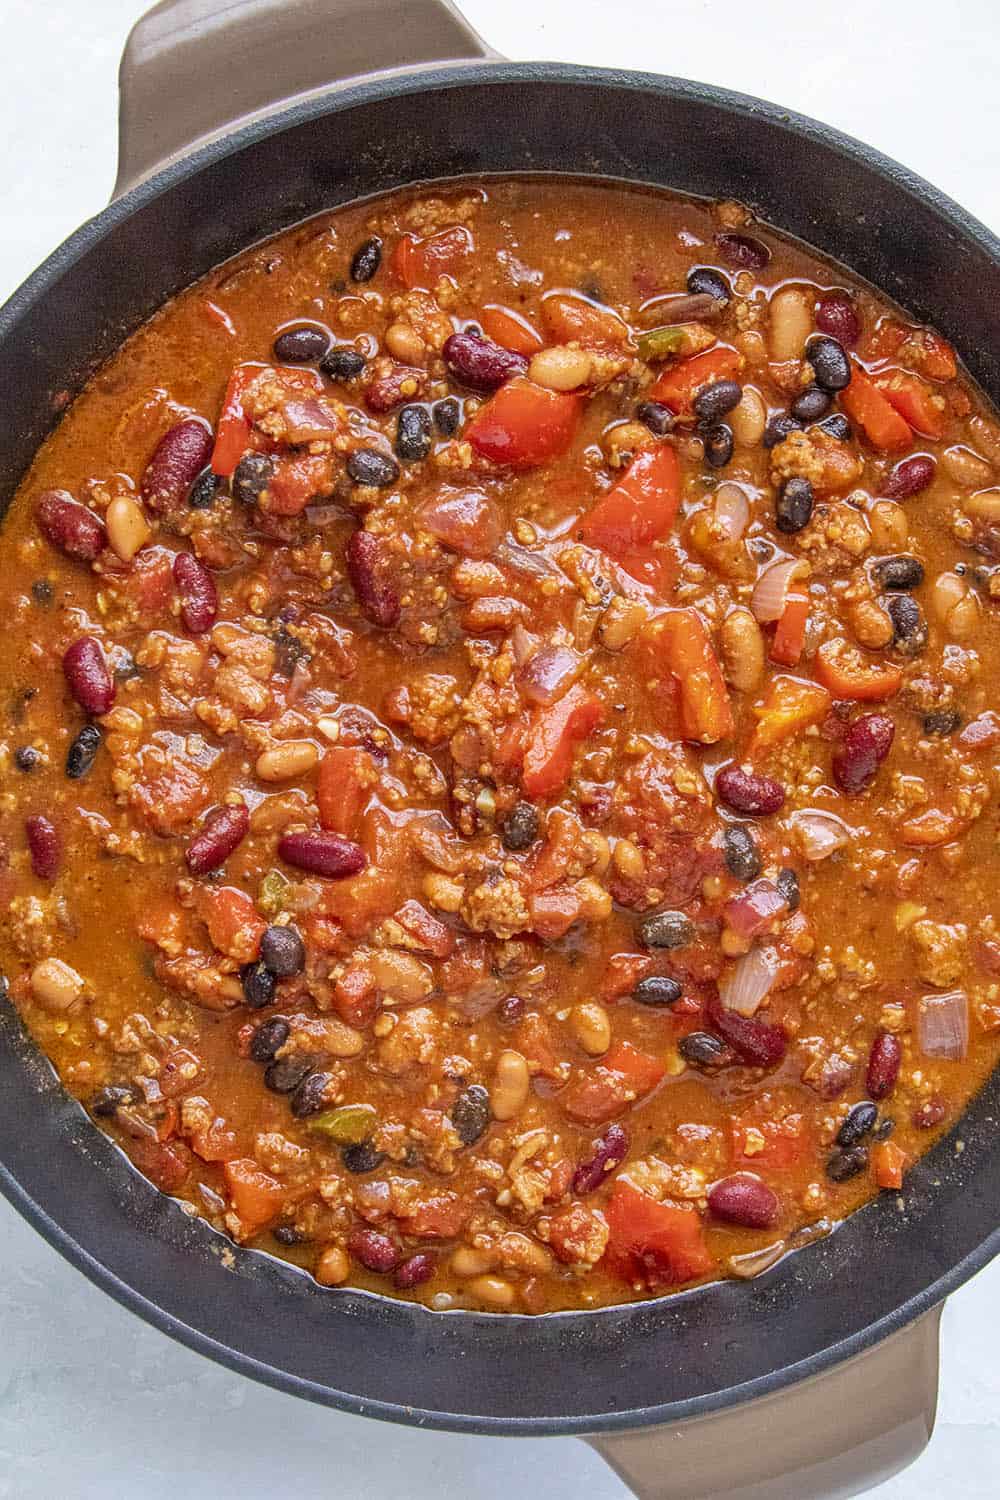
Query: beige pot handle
(827, 1438)
(194, 69)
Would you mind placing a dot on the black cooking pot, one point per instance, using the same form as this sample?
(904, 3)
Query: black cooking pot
(823, 1370)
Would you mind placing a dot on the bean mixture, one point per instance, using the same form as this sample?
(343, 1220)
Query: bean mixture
(499, 746)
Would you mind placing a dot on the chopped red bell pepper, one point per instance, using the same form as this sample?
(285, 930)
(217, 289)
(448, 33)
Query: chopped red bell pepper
(705, 710)
(790, 635)
(524, 425)
(569, 318)
(510, 330)
(640, 508)
(624, 1075)
(678, 386)
(658, 1244)
(848, 674)
(890, 1162)
(232, 922)
(870, 409)
(419, 262)
(915, 401)
(346, 777)
(232, 434)
(552, 735)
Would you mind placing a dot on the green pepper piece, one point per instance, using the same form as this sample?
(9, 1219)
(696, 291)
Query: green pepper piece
(348, 1124)
(272, 893)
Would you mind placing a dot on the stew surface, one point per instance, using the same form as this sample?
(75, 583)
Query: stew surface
(499, 756)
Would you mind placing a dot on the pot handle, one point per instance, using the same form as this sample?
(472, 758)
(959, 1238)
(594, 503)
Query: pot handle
(193, 69)
(829, 1437)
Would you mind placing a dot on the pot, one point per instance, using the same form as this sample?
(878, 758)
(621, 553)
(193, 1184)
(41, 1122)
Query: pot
(818, 1378)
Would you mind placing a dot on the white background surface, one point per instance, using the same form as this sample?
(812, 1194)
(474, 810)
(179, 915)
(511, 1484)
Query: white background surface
(92, 1402)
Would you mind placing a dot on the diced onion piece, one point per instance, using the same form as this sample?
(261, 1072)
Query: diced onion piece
(749, 981)
(819, 834)
(548, 674)
(943, 1025)
(522, 644)
(754, 1262)
(732, 511)
(770, 594)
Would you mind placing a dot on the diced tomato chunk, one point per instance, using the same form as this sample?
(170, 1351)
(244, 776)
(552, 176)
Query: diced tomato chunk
(705, 710)
(347, 775)
(553, 912)
(640, 508)
(657, 1244)
(770, 1143)
(510, 330)
(916, 403)
(438, 1218)
(524, 425)
(428, 932)
(420, 262)
(570, 318)
(850, 675)
(553, 733)
(232, 921)
(166, 1163)
(789, 706)
(890, 1162)
(232, 435)
(257, 1197)
(790, 634)
(624, 1075)
(678, 386)
(870, 409)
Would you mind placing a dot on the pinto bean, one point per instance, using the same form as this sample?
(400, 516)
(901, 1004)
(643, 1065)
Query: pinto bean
(70, 527)
(177, 460)
(199, 596)
(87, 675)
(223, 831)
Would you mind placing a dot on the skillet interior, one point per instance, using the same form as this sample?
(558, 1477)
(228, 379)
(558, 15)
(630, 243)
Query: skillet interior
(622, 1366)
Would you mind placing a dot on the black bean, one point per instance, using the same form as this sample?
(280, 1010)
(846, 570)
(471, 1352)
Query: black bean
(710, 282)
(201, 495)
(301, 346)
(741, 854)
(788, 884)
(367, 259)
(471, 1113)
(342, 364)
(81, 753)
(702, 1049)
(831, 366)
(26, 758)
(942, 721)
(447, 415)
(362, 1157)
(900, 572)
(909, 628)
(107, 1101)
(42, 591)
(837, 426)
(847, 1163)
(778, 428)
(288, 652)
(520, 829)
(283, 951)
(884, 1130)
(258, 984)
(284, 1074)
(658, 989)
(123, 665)
(718, 443)
(713, 401)
(268, 1038)
(857, 1123)
(252, 477)
(413, 434)
(811, 404)
(370, 467)
(310, 1096)
(794, 505)
(666, 929)
(287, 1234)
(657, 417)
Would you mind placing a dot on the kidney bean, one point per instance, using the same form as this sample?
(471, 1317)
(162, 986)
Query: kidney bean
(836, 316)
(367, 566)
(743, 251)
(909, 478)
(748, 792)
(706, 281)
(608, 1152)
(375, 1251)
(70, 527)
(45, 846)
(177, 460)
(857, 1123)
(199, 596)
(883, 1065)
(861, 752)
(87, 675)
(758, 1043)
(479, 363)
(326, 854)
(222, 831)
(745, 1200)
(412, 1271)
